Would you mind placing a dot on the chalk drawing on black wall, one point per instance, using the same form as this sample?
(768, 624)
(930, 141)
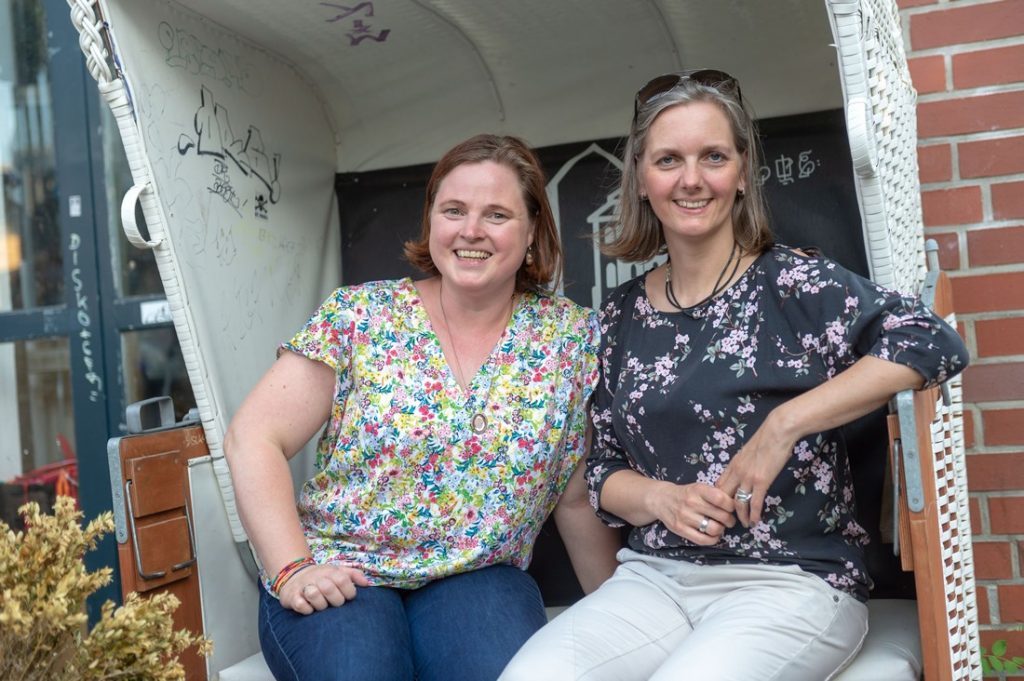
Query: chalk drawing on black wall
(607, 272)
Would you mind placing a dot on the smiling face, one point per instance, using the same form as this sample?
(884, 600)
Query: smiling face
(690, 171)
(480, 228)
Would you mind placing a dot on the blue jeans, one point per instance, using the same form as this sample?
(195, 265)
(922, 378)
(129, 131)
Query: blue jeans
(462, 628)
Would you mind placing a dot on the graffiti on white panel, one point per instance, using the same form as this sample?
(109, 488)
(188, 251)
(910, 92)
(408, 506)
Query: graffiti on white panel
(183, 50)
(358, 29)
(214, 137)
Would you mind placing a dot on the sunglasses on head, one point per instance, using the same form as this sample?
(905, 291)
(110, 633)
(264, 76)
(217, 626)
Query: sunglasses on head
(712, 78)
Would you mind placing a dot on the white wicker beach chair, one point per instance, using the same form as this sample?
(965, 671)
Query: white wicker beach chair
(880, 109)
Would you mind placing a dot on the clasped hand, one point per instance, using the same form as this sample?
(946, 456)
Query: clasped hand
(697, 512)
(319, 586)
(753, 469)
(701, 513)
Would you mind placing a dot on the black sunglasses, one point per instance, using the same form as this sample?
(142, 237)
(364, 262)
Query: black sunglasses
(712, 78)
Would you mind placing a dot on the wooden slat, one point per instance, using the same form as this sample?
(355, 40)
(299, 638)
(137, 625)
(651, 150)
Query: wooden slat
(155, 463)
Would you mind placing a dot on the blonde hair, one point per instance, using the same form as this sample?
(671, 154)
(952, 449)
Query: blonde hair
(637, 233)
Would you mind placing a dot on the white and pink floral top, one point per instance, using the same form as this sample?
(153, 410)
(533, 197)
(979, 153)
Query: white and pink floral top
(404, 488)
(680, 394)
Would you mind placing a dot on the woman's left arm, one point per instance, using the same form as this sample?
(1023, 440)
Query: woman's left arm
(865, 386)
(887, 343)
(591, 544)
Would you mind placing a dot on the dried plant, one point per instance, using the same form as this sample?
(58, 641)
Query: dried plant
(43, 627)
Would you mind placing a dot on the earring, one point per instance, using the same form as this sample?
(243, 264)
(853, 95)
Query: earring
(529, 256)
(740, 193)
(643, 197)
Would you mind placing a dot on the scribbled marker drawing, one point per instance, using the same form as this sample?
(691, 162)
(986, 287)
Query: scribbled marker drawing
(359, 30)
(214, 137)
(349, 11)
(184, 50)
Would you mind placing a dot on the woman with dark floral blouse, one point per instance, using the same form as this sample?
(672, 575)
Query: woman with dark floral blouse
(726, 374)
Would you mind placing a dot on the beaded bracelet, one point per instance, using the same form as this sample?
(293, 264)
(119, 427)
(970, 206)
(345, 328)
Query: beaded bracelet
(289, 571)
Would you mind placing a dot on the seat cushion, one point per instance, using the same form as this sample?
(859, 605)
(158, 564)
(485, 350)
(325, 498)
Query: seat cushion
(252, 668)
(892, 648)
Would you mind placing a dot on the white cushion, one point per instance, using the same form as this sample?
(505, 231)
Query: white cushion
(892, 648)
(891, 652)
(252, 668)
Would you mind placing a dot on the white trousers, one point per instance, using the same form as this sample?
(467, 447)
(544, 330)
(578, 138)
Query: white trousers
(664, 619)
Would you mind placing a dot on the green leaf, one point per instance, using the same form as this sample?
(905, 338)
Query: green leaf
(997, 664)
(986, 668)
(1011, 666)
(999, 648)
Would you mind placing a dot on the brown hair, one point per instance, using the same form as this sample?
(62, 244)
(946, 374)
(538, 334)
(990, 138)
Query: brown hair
(545, 272)
(637, 234)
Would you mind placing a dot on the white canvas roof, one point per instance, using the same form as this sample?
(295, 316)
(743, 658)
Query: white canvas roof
(405, 79)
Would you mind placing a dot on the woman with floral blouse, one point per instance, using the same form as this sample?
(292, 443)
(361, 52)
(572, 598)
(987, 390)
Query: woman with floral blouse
(726, 375)
(456, 412)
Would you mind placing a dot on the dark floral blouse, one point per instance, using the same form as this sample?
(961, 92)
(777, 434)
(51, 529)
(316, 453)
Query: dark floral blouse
(680, 393)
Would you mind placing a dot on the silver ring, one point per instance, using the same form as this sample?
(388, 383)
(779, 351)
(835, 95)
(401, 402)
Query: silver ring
(743, 496)
(703, 527)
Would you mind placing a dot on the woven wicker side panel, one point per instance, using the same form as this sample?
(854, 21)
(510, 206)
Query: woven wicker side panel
(874, 74)
(952, 525)
(894, 111)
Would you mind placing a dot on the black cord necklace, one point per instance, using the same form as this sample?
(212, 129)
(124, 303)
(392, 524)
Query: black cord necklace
(720, 283)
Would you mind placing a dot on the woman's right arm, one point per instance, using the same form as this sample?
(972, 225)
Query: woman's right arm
(285, 409)
(640, 501)
(621, 495)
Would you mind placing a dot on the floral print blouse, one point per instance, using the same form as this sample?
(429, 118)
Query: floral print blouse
(680, 393)
(404, 488)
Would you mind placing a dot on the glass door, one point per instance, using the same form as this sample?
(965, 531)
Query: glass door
(84, 326)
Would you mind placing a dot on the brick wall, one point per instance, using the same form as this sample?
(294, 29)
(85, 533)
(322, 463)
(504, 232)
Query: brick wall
(967, 62)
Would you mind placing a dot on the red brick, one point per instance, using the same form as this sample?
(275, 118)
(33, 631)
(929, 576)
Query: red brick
(949, 249)
(979, 113)
(1001, 246)
(984, 615)
(975, 506)
(928, 74)
(968, 429)
(1013, 636)
(985, 158)
(994, 382)
(935, 163)
(992, 560)
(958, 206)
(995, 472)
(988, 67)
(969, 24)
(1003, 427)
(903, 4)
(1011, 603)
(1000, 336)
(988, 292)
(1006, 515)
(1008, 200)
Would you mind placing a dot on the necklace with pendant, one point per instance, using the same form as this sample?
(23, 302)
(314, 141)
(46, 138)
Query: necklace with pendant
(720, 285)
(478, 422)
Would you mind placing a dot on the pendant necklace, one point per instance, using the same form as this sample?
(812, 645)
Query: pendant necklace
(478, 422)
(720, 284)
